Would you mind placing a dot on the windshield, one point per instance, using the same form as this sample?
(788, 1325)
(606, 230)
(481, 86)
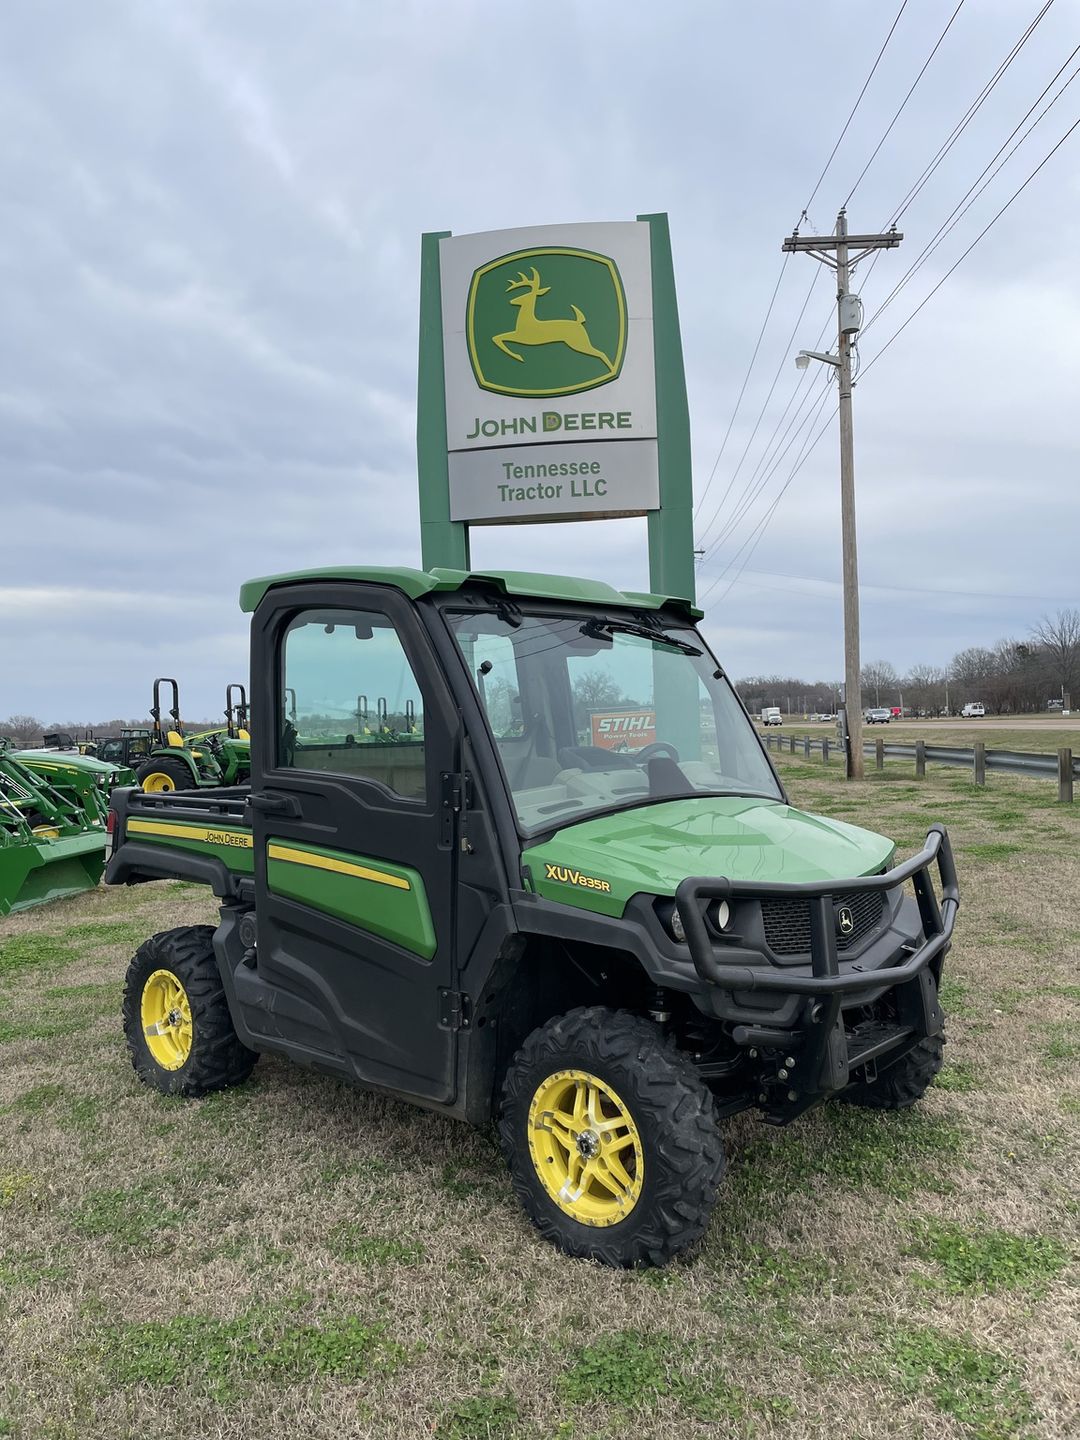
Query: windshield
(593, 714)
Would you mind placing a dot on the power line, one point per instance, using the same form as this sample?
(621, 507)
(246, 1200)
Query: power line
(903, 104)
(972, 110)
(763, 523)
(858, 102)
(989, 226)
(779, 278)
(749, 494)
(960, 209)
(774, 464)
(761, 413)
(742, 388)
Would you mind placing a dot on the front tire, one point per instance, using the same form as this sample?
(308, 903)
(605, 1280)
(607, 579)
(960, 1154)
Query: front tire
(903, 1084)
(611, 1137)
(179, 1031)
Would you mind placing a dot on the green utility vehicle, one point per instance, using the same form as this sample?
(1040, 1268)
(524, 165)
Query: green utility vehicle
(207, 760)
(499, 914)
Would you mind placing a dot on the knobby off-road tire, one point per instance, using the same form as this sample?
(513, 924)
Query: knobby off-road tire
(903, 1084)
(166, 774)
(655, 1118)
(176, 974)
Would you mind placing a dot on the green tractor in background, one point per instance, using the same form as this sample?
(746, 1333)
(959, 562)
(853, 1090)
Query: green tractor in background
(192, 762)
(130, 748)
(52, 827)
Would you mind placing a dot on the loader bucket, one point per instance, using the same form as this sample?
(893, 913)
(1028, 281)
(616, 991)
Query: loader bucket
(36, 871)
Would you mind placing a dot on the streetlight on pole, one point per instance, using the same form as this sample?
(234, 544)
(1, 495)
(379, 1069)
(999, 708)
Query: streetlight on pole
(835, 251)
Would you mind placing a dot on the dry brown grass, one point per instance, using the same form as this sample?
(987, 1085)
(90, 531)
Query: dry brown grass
(295, 1258)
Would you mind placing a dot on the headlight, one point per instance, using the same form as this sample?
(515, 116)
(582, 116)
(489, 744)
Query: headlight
(721, 916)
(677, 927)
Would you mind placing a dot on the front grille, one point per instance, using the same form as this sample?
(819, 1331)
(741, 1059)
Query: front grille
(787, 922)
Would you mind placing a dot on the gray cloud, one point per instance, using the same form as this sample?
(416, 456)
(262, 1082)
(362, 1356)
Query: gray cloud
(209, 241)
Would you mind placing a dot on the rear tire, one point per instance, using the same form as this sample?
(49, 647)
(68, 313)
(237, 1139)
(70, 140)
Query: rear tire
(903, 1084)
(179, 1031)
(166, 774)
(611, 1137)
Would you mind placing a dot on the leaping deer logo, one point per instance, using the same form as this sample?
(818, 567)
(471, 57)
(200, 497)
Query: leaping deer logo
(529, 330)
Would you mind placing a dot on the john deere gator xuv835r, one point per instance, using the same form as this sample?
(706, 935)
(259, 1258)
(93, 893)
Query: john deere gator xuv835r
(562, 887)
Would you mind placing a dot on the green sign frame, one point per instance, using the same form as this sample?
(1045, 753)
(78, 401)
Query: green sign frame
(445, 542)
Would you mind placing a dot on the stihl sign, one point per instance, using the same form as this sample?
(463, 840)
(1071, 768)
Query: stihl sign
(623, 729)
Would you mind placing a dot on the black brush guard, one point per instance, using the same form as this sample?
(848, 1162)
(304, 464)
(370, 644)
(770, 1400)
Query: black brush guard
(824, 1053)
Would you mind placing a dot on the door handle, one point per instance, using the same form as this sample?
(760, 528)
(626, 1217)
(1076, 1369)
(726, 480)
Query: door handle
(286, 805)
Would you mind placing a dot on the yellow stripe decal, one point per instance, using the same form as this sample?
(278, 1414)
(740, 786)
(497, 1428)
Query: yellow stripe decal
(339, 867)
(237, 839)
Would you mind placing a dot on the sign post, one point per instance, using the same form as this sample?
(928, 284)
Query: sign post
(551, 388)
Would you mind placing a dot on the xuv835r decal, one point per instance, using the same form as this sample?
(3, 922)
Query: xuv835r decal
(568, 876)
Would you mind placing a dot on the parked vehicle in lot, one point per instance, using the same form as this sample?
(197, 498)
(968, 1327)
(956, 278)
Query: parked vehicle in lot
(877, 716)
(771, 715)
(973, 711)
(488, 915)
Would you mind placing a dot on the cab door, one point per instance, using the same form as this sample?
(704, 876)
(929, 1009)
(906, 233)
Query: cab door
(354, 862)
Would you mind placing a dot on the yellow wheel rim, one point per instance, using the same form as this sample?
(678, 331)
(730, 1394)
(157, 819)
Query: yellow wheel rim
(586, 1148)
(158, 780)
(165, 1011)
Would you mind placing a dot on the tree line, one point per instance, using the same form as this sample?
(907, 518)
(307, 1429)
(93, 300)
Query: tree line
(1013, 677)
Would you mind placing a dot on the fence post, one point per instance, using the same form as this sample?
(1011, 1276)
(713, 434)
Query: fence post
(920, 759)
(825, 751)
(980, 762)
(792, 738)
(806, 746)
(1065, 775)
(879, 753)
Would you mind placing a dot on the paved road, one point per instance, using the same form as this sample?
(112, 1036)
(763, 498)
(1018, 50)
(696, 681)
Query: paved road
(1056, 723)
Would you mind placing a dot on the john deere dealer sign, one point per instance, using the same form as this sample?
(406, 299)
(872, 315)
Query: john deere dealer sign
(550, 387)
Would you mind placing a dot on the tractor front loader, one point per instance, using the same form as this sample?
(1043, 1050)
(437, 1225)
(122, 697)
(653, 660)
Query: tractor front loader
(52, 838)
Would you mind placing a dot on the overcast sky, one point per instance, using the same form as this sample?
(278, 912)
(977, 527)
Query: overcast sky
(210, 220)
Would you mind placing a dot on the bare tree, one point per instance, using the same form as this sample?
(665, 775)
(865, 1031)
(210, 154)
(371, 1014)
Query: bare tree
(22, 728)
(879, 675)
(923, 688)
(594, 689)
(1059, 640)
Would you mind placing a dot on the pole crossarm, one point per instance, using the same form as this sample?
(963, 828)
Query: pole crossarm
(888, 241)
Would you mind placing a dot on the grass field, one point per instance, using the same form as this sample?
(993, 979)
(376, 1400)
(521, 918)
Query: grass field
(296, 1259)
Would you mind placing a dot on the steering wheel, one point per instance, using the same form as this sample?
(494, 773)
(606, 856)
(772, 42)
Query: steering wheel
(658, 747)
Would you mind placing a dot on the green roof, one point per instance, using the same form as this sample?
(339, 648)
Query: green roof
(512, 582)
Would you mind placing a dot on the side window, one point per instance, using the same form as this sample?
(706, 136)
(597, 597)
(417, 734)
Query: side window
(350, 704)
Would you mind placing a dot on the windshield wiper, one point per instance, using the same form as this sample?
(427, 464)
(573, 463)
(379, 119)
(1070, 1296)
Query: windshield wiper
(596, 630)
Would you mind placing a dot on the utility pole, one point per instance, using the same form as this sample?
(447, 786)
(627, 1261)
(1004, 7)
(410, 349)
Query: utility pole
(835, 251)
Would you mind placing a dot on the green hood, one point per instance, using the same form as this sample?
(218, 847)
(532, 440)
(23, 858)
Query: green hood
(599, 864)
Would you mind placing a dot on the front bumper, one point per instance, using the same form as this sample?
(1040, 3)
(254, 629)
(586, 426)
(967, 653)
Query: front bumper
(826, 977)
(828, 1050)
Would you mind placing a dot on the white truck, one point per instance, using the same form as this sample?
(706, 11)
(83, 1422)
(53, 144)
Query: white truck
(771, 715)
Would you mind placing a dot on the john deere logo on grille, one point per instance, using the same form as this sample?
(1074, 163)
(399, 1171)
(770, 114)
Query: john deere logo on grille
(845, 920)
(546, 322)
